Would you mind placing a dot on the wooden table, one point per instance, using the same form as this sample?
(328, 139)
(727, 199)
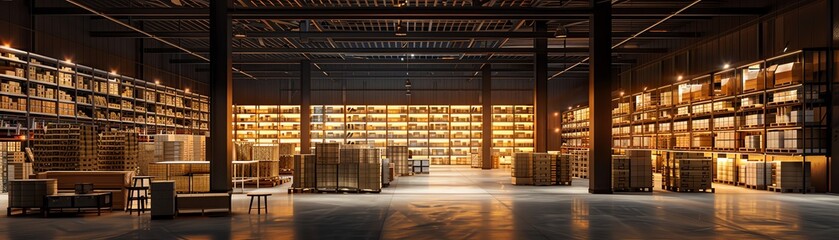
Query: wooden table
(78, 201)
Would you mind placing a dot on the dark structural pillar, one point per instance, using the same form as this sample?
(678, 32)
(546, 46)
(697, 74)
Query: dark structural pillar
(486, 114)
(833, 162)
(220, 149)
(540, 88)
(305, 107)
(600, 97)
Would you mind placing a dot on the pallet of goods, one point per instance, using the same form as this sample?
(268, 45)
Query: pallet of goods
(398, 155)
(65, 147)
(726, 171)
(118, 151)
(632, 172)
(522, 169)
(303, 177)
(563, 169)
(791, 177)
(688, 172)
(544, 169)
(757, 174)
(326, 170)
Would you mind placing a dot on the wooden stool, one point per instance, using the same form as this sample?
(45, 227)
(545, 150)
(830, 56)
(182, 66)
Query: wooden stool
(259, 206)
(140, 199)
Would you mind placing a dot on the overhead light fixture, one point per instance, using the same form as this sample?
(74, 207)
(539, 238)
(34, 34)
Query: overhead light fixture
(786, 46)
(561, 32)
(402, 4)
(70, 61)
(157, 82)
(556, 114)
(645, 88)
(114, 72)
(186, 90)
(407, 83)
(556, 130)
(680, 77)
(408, 92)
(8, 45)
(400, 29)
(569, 107)
(621, 93)
(240, 35)
(726, 66)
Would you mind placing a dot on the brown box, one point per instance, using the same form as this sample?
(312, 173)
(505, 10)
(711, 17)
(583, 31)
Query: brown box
(788, 73)
(522, 181)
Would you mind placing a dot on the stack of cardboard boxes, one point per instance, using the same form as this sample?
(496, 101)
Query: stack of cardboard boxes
(522, 169)
(792, 177)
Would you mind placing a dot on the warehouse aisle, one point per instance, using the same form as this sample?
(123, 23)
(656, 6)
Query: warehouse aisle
(464, 203)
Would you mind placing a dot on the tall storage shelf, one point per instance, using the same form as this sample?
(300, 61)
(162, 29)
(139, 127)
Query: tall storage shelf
(771, 111)
(32, 85)
(575, 139)
(267, 125)
(512, 130)
(443, 134)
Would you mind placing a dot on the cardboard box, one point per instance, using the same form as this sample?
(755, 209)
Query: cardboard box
(788, 73)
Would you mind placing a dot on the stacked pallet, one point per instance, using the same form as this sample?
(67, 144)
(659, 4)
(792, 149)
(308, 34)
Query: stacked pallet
(632, 172)
(563, 169)
(579, 163)
(326, 170)
(270, 152)
(192, 147)
(544, 169)
(118, 151)
(145, 157)
(65, 147)
(370, 170)
(757, 174)
(726, 171)
(522, 169)
(690, 174)
(30, 193)
(303, 176)
(476, 161)
(348, 168)
(398, 155)
(792, 177)
(243, 151)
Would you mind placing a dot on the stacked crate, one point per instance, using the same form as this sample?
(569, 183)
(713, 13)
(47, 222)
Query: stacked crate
(118, 151)
(620, 173)
(243, 151)
(792, 177)
(726, 171)
(563, 169)
(303, 176)
(633, 172)
(30, 193)
(326, 171)
(370, 170)
(192, 147)
(271, 152)
(757, 174)
(522, 170)
(348, 168)
(398, 155)
(544, 169)
(691, 175)
(476, 161)
(145, 157)
(65, 147)
(669, 172)
(579, 163)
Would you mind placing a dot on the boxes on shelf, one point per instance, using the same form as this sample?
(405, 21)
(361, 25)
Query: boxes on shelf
(726, 171)
(702, 141)
(689, 174)
(788, 73)
(755, 80)
(65, 147)
(726, 140)
(754, 142)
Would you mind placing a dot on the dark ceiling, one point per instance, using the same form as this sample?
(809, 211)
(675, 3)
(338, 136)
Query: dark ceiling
(357, 38)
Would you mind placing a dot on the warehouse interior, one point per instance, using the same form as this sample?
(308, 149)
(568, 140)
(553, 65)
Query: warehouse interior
(418, 119)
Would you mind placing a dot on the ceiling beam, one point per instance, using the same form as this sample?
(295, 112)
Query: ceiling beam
(378, 13)
(245, 51)
(363, 36)
(394, 61)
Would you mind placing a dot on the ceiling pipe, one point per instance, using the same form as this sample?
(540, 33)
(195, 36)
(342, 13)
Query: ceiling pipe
(630, 37)
(148, 34)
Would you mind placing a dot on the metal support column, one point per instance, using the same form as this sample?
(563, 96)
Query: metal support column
(486, 120)
(305, 107)
(600, 106)
(220, 149)
(833, 152)
(540, 88)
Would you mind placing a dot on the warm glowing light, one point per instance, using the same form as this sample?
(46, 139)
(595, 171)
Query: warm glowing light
(156, 81)
(187, 90)
(556, 114)
(645, 88)
(621, 93)
(21, 137)
(68, 60)
(556, 129)
(680, 77)
(569, 107)
(8, 45)
(114, 72)
(726, 66)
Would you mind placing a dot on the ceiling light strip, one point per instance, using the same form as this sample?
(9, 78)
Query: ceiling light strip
(148, 34)
(631, 37)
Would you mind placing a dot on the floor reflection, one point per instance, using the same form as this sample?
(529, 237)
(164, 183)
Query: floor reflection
(465, 203)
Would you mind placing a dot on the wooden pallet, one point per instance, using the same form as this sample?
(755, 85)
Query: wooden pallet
(703, 148)
(633, 189)
(791, 190)
(749, 149)
(695, 190)
(754, 187)
(783, 124)
(755, 106)
(568, 183)
(301, 190)
(785, 102)
(723, 128)
(782, 150)
(786, 83)
(727, 182)
(725, 149)
(701, 129)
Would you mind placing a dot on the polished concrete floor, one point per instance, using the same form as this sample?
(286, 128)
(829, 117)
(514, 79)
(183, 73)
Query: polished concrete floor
(465, 203)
